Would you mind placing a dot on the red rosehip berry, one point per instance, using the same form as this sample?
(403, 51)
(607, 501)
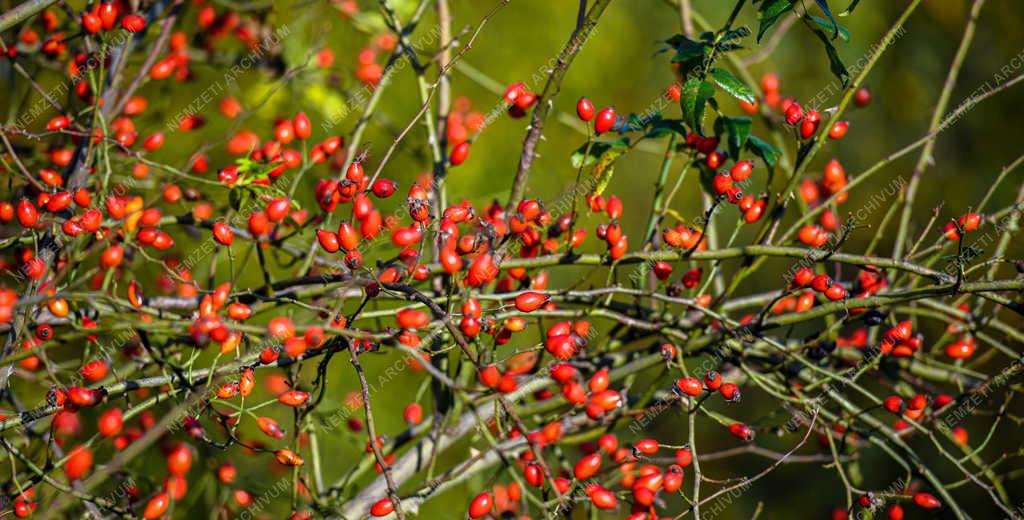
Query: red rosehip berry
(690, 386)
(741, 170)
(133, 23)
(530, 301)
(108, 14)
(459, 154)
(156, 506)
(481, 505)
(58, 123)
(605, 120)
(794, 113)
(647, 446)
(838, 130)
(223, 234)
(587, 466)
(862, 97)
(926, 501)
(893, 404)
(836, 292)
(585, 109)
(713, 380)
(741, 431)
(301, 126)
(730, 392)
(382, 507)
(91, 23)
(662, 270)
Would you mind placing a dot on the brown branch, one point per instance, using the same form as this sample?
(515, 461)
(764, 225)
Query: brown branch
(372, 430)
(23, 12)
(545, 101)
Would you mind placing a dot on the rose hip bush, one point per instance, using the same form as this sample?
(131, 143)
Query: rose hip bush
(282, 322)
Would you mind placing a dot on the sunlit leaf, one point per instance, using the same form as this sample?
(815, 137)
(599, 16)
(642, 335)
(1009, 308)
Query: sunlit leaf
(584, 156)
(738, 131)
(764, 150)
(770, 12)
(731, 84)
(694, 98)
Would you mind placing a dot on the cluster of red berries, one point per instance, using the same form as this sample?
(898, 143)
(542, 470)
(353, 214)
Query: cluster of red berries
(966, 223)
(870, 281)
(713, 382)
(369, 71)
(793, 113)
(821, 283)
(644, 482)
(900, 341)
(686, 237)
(726, 184)
(519, 99)
(690, 279)
(832, 183)
(467, 246)
(869, 502)
(564, 339)
(353, 189)
(834, 179)
(463, 122)
(491, 375)
(605, 120)
(914, 409)
(103, 17)
(596, 398)
(79, 460)
(611, 232)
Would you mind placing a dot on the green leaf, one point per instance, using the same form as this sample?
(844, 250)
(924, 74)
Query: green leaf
(685, 48)
(835, 62)
(238, 197)
(602, 154)
(689, 54)
(850, 8)
(707, 180)
(828, 26)
(732, 85)
(971, 252)
(694, 97)
(855, 473)
(764, 150)
(833, 26)
(583, 156)
(729, 46)
(636, 122)
(734, 34)
(605, 168)
(245, 165)
(968, 253)
(770, 12)
(666, 126)
(738, 131)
